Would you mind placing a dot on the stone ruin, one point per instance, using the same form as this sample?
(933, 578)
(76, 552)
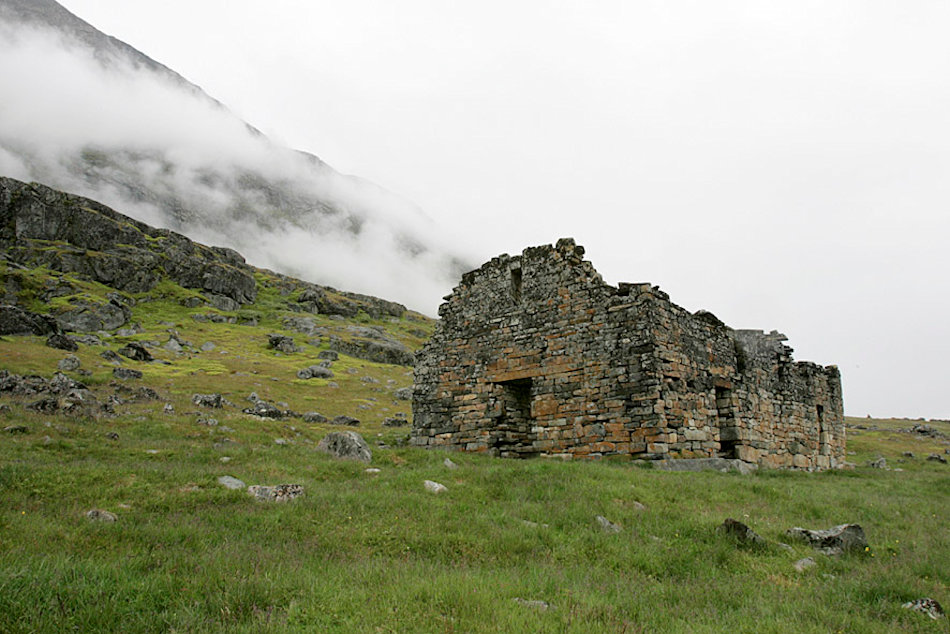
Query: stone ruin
(535, 355)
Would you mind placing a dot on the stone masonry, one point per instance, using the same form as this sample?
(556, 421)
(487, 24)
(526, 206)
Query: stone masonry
(536, 356)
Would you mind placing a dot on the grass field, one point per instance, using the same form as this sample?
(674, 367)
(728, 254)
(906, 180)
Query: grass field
(364, 552)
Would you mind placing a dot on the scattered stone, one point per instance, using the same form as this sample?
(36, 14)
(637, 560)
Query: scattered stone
(607, 526)
(534, 524)
(328, 355)
(927, 606)
(69, 363)
(347, 445)
(314, 417)
(173, 345)
(835, 540)
(230, 482)
(449, 464)
(126, 374)
(61, 342)
(209, 400)
(225, 459)
(638, 506)
(536, 604)
(741, 532)
(99, 515)
(282, 343)
(275, 493)
(168, 408)
(908, 454)
(44, 405)
(434, 487)
(16, 429)
(403, 394)
(374, 346)
(880, 463)
(369, 380)
(935, 457)
(135, 351)
(4, 408)
(373, 470)
(345, 420)
(264, 410)
(395, 421)
(112, 435)
(87, 340)
(303, 325)
(804, 564)
(208, 346)
(110, 356)
(281, 441)
(315, 372)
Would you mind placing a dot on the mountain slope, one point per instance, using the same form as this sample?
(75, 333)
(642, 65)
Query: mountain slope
(87, 113)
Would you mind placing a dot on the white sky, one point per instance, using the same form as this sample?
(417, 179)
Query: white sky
(782, 164)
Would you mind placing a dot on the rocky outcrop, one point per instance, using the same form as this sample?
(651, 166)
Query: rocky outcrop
(39, 225)
(18, 321)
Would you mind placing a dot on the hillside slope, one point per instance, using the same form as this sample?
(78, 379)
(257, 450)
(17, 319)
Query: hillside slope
(88, 113)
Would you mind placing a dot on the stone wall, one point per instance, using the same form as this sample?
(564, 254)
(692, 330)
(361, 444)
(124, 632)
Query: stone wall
(536, 355)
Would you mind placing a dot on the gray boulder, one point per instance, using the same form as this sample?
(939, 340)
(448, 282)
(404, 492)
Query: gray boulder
(17, 321)
(283, 343)
(275, 493)
(230, 482)
(126, 374)
(740, 532)
(833, 541)
(315, 372)
(347, 445)
(69, 363)
(264, 410)
(61, 342)
(314, 417)
(88, 316)
(345, 420)
(135, 351)
(208, 400)
(99, 515)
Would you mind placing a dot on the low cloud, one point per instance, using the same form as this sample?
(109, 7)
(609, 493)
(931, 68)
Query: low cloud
(165, 154)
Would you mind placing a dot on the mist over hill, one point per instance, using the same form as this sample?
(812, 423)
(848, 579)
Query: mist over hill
(87, 113)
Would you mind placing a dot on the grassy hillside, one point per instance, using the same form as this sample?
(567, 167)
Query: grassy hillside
(376, 552)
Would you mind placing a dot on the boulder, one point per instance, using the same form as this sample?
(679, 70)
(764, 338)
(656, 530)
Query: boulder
(69, 363)
(61, 342)
(135, 351)
(314, 417)
(126, 374)
(403, 394)
(345, 420)
(395, 421)
(264, 410)
(740, 532)
(380, 350)
(607, 526)
(833, 541)
(17, 321)
(230, 482)
(935, 457)
(208, 400)
(434, 487)
(315, 372)
(275, 493)
(880, 463)
(99, 515)
(328, 355)
(927, 606)
(87, 316)
(346, 445)
(282, 343)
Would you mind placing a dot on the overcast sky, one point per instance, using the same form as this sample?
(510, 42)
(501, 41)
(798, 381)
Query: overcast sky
(781, 164)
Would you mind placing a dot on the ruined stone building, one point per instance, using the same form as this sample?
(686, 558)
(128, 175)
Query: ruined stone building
(536, 356)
